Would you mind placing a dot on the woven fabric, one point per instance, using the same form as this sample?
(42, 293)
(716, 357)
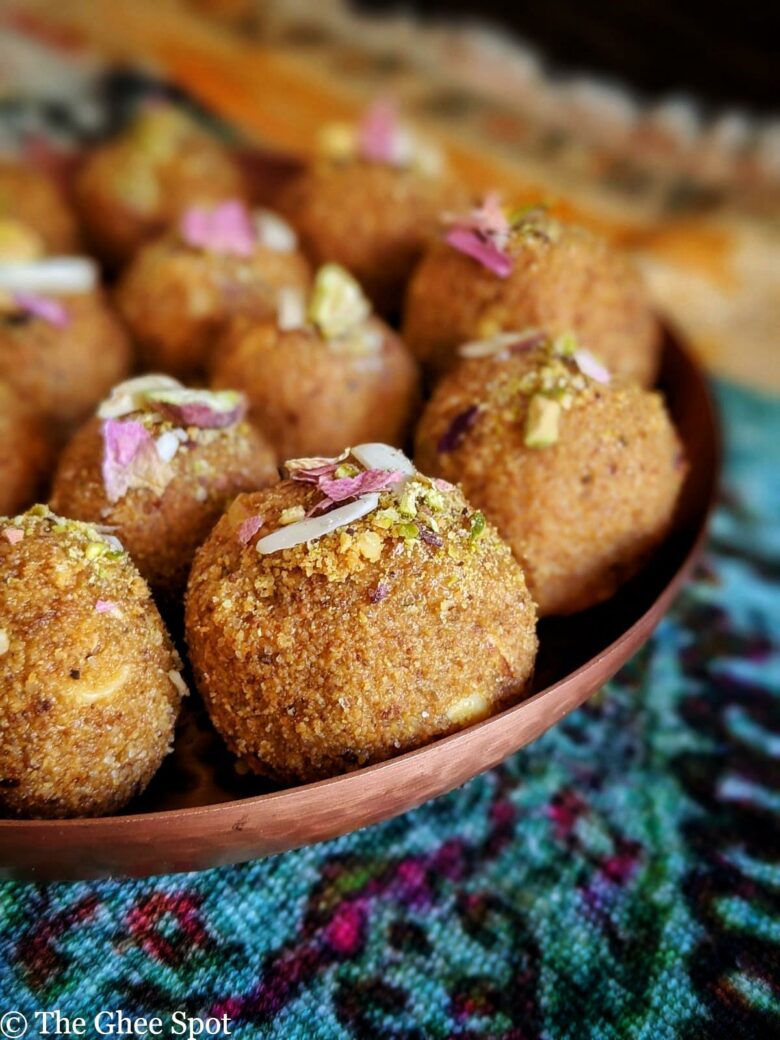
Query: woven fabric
(618, 878)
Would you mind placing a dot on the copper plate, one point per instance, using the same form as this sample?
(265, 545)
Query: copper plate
(199, 813)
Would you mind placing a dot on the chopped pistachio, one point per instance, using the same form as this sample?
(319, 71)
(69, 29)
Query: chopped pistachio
(566, 344)
(385, 518)
(434, 499)
(477, 525)
(292, 515)
(337, 302)
(346, 469)
(542, 421)
(19, 242)
(408, 531)
(369, 544)
(337, 141)
(95, 550)
(407, 504)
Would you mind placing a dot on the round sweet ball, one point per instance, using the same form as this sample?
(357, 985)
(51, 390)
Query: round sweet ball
(90, 683)
(221, 261)
(131, 188)
(370, 201)
(62, 353)
(580, 472)
(499, 271)
(351, 613)
(25, 453)
(158, 464)
(324, 374)
(30, 199)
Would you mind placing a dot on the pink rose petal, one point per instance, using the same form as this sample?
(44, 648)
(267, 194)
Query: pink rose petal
(226, 229)
(13, 534)
(590, 367)
(104, 606)
(246, 530)
(470, 242)
(378, 131)
(130, 460)
(309, 470)
(44, 307)
(490, 220)
(202, 408)
(350, 487)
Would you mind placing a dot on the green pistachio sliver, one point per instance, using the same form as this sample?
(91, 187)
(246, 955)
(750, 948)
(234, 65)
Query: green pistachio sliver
(566, 344)
(542, 422)
(408, 531)
(407, 504)
(434, 499)
(95, 550)
(346, 469)
(385, 518)
(478, 524)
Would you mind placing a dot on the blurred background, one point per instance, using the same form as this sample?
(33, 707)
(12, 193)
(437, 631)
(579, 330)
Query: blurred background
(724, 56)
(655, 123)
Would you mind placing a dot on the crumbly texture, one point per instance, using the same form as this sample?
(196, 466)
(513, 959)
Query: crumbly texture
(127, 193)
(25, 453)
(87, 699)
(582, 514)
(372, 219)
(33, 199)
(564, 279)
(313, 397)
(175, 299)
(63, 372)
(366, 643)
(162, 532)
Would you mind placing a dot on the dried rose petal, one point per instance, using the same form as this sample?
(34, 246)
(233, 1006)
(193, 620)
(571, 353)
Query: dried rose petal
(530, 341)
(130, 460)
(249, 528)
(309, 470)
(104, 606)
(378, 132)
(457, 429)
(431, 538)
(380, 591)
(202, 408)
(470, 242)
(13, 534)
(365, 482)
(490, 220)
(591, 367)
(226, 229)
(503, 344)
(44, 307)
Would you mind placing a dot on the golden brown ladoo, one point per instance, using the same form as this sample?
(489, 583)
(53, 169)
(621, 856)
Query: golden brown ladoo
(324, 374)
(180, 289)
(90, 683)
(25, 453)
(158, 464)
(62, 354)
(370, 202)
(501, 271)
(132, 187)
(579, 472)
(32, 200)
(391, 617)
